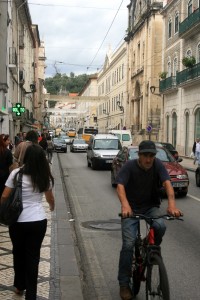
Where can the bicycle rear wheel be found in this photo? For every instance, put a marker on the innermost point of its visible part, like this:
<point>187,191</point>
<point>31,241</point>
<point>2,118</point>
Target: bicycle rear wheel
<point>136,281</point>
<point>157,285</point>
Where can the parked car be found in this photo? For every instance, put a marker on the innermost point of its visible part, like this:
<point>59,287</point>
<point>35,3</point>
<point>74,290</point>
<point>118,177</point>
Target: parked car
<point>178,175</point>
<point>59,145</point>
<point>102,149</point>
<point>171,149</point>
<point>78,145</point>
<point>197,176</point>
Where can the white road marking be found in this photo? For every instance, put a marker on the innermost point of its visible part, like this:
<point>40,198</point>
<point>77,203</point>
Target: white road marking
<point>195,198</point>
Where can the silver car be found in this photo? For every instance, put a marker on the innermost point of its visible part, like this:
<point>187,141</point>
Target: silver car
<point>101,150</point>
<point>78,145</point>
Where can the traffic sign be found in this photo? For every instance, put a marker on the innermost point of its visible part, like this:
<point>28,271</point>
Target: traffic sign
<point>149,128</point>
<point>18,109</point>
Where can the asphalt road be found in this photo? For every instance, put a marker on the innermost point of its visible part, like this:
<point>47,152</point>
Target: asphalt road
<point>95,207</point>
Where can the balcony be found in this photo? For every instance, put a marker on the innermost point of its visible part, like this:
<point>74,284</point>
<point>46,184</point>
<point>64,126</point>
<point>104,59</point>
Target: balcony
<point>191,25</point>
<point>167,85</point>
<point>13,60</point>
<point>189,76</point>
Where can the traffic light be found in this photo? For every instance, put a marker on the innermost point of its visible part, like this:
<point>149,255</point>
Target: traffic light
<point>18,109</point>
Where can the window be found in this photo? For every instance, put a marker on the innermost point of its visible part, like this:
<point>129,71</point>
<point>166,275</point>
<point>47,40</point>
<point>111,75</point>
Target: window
<point>169,69</point>
<point>169,28</point>
<point>189,53</point>
<point>197,123</point>
<point>189,8</point>
<point>176,22</point>
<point>175,66</point>
<point>198,53</point>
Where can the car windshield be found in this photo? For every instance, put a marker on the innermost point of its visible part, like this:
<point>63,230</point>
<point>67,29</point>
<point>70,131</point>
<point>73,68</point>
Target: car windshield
<point>106,144</point>
<point>162,154</point>
<point>169,146</point>
<point>79,142</point>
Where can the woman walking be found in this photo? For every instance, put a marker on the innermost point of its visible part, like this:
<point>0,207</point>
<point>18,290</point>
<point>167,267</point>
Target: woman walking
<point>28,232</point>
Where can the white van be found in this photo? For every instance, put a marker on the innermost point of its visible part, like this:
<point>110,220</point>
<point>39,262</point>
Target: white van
<point>102,149</point>
<point>124,136</point>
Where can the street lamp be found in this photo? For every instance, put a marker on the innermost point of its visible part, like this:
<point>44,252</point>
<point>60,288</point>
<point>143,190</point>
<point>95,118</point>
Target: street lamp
<point>153,88</point>
<point>120,106</point>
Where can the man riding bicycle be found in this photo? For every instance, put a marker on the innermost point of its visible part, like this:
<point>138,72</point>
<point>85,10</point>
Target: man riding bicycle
<point>138,185</point>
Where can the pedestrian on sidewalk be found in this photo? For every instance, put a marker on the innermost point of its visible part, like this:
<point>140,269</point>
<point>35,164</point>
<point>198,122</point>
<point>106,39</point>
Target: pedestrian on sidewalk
<point>28,232</point>
<point>6,160</point>
<point>194,149</point>
<point>49,149</point>
<point>43,143</point>
<point>31,138</point>
<point>197,151</point>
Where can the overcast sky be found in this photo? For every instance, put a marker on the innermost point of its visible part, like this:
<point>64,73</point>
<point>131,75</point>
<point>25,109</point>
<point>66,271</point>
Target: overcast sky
<point>78,33</point>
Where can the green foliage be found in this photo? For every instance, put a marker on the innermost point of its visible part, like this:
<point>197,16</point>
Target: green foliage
<point>163,75</point>
<point>71,84</point>
<point>189,62</point>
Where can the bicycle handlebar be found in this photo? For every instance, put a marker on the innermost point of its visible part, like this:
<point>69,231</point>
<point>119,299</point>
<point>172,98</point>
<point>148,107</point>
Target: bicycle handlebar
<point>143,217</point>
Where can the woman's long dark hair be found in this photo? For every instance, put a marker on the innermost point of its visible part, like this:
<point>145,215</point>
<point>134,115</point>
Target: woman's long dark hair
<point>37,166</point>
<point>2,144</point>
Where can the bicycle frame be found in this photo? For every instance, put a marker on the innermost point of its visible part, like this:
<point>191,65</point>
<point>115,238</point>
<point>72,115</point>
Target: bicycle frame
<point>147,260</point>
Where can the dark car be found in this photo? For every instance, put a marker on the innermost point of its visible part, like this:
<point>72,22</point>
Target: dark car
<point>178,175</point>
<point>59,145</point>
<point>78,145</point>
<point>171,149</point>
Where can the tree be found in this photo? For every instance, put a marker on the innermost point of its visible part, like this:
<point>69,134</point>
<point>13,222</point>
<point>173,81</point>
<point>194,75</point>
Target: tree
<point>72,84</point>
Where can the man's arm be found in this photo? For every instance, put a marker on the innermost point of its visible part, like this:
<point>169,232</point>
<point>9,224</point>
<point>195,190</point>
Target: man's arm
<point>172,209</point>
<point>125,207</point>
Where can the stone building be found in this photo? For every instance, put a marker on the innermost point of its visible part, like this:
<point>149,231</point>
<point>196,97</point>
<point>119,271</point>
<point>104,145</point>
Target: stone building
<point>181,67</point>
<point>144,42</point>
<point>112,84</point>
<point>17,64</point>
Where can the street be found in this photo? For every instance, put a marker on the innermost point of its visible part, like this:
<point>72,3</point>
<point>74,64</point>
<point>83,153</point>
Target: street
<point>94,206</point>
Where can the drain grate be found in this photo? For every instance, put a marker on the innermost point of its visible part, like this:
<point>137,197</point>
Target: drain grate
<point>111,225</point>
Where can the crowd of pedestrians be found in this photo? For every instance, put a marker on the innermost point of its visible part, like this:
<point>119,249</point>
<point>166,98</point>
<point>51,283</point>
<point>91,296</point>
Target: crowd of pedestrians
<point>28,232</point>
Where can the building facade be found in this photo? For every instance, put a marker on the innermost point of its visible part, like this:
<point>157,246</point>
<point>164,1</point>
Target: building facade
<point>17,61</point>
<point>112,84</point>
<point>181,67</point>
<point>144,41</point>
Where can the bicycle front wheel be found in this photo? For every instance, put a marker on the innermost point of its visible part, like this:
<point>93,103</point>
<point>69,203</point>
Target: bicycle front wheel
<point>157,284</point>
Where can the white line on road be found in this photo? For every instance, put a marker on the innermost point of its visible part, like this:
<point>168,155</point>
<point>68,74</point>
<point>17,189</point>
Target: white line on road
<point>195,198</point>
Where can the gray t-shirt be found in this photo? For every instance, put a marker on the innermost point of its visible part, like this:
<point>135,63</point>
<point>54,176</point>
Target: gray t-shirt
<point>142,187</point>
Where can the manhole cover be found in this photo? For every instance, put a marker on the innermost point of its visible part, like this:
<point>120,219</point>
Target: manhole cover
<point>111,225</point>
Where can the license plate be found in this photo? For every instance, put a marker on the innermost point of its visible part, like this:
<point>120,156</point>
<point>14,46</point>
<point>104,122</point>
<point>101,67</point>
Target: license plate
<point>109,161</point>
<point>179,184</point>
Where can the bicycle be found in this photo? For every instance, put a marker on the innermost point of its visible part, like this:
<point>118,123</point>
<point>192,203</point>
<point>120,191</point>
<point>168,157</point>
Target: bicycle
<point>147,262</point>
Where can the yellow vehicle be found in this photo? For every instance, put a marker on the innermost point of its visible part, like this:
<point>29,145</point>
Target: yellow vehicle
<point>86,132</point>
<point>71,132</point>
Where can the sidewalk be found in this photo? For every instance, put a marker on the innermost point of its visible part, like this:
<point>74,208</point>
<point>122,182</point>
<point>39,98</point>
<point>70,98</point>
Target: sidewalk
<point>59,277</point>
<point>188,163</point>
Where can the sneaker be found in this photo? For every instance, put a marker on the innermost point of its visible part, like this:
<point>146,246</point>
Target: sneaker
<point>125,293</point>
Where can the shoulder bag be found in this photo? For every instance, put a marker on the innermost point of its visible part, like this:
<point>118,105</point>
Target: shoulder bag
<point>11,208</point>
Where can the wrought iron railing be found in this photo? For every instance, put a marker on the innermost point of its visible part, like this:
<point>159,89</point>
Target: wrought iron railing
<point>188,74</point>
<point>168,83</point>
<point>189,22</point>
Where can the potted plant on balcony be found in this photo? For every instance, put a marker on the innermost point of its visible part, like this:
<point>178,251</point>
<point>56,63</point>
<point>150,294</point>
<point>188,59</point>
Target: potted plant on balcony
<point>163,75</point>
<point>189,62</point>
